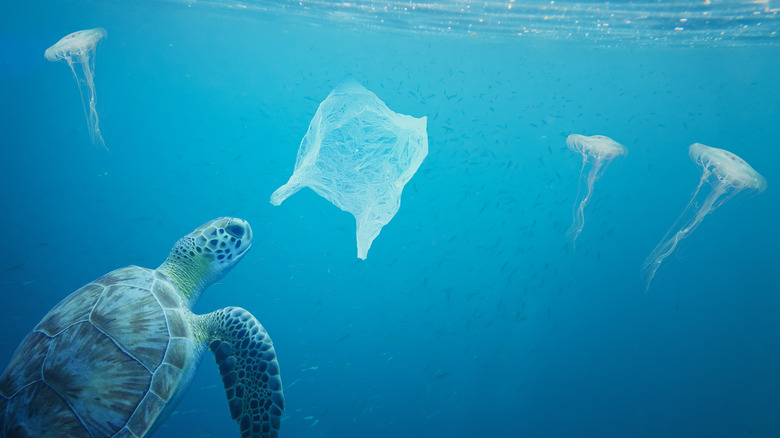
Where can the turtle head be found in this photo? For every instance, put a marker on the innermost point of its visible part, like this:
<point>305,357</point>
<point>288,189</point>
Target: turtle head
<point>205,255</point>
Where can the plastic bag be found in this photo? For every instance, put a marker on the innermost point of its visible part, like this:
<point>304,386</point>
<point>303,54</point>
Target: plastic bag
<point>358,154</point>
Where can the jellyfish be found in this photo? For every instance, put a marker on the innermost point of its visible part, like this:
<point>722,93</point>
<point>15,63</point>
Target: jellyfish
<point>597,151</point>
<point>726,175</point>
<point>79,47</point>
<point>358,154</point>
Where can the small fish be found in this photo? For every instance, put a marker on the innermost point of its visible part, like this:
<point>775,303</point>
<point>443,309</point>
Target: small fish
<point>15,267</point>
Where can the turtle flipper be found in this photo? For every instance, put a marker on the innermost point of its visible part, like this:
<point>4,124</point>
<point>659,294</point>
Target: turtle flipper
<point>247,362</point>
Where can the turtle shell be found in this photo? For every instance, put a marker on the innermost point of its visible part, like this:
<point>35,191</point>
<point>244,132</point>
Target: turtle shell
<point>103,362</point>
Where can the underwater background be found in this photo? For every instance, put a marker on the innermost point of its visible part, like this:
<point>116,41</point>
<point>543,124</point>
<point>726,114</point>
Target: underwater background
<point>472,315</point>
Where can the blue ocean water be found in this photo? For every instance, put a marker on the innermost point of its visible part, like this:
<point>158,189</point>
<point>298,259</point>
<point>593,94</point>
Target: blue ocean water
<point>471,316</point>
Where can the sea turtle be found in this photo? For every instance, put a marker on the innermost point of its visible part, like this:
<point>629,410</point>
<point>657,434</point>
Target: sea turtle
<point>115,357</point>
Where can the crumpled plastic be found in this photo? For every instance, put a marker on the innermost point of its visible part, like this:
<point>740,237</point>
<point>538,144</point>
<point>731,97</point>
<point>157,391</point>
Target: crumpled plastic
<point>358,154</point>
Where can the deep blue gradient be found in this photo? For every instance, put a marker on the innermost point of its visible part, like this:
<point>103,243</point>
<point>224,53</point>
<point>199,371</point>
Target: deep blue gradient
<point>470,316</point>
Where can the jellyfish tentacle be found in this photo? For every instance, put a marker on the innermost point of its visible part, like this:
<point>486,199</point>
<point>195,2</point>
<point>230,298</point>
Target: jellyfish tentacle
<point>667,244</point>
<point>88,66</point>
<point>686,210</point>
<point>79,82</point>
<point>578,219</point>
<point>596,171</point>
<point>715,199</point>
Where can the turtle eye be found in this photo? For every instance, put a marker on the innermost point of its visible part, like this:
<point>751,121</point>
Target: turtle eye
<point>236,230</point>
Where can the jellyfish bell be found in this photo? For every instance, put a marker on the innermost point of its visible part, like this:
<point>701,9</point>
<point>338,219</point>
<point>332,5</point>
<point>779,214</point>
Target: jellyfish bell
<point>727,175</point>
<point>597,152</point>
<point>729,169</point>
<point>78,43</point>
<point>79,48</point>
<point>596,146</point>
